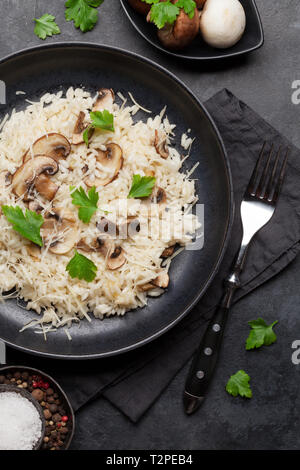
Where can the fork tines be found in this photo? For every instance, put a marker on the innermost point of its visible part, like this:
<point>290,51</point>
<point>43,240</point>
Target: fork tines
<point>267,177</point>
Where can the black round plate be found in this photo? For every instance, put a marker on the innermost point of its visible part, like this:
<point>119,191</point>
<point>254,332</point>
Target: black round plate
<point>55,67</point>
<point>252,39</point>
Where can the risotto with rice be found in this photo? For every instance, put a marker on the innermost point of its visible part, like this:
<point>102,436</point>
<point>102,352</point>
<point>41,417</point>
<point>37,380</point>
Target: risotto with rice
<point>51,151</point>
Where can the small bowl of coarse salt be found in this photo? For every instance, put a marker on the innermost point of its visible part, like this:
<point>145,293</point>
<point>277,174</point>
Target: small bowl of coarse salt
<point>22,423</point>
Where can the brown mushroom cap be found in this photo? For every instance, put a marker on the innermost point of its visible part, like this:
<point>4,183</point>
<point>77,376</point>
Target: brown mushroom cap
<point>60,231</point>
<point>112,160</point>
<point>139,6</point>
<point>25,177</point>
<point>53,145</point>
<point>160,144</point>
<point>181,33</point>
<point>104,100</point>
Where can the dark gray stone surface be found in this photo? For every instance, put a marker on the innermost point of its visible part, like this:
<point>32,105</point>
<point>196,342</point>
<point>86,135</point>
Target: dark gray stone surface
<point>271,419</point>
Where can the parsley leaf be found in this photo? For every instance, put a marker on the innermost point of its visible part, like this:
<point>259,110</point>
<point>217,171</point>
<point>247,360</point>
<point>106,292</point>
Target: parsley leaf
<point>46,26</point>
<point>165,12</point>
<point>261,334</point>
<point>238,384</point>
<point>189,7</point>
<point>81,267</point>
<point>141,186</point>
<point>100,120</point>
<point>27,225</point>
<point>87,203</point>
<point>83,13</point>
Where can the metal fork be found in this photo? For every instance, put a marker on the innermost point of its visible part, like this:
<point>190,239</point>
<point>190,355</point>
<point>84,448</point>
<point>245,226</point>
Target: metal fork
<point>257,208</point>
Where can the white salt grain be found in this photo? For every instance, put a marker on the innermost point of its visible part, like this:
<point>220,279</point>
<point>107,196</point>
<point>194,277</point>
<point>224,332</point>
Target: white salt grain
<point>20,422</point>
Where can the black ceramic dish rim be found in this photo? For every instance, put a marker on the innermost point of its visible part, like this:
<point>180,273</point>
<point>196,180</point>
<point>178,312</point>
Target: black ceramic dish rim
<point>231,208</point>
<point>230,55</point>
<point>24,393</point>
<point>48,377</point>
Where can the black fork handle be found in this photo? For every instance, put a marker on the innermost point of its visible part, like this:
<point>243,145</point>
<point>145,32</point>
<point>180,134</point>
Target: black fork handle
<point>205,361</point>
<point>206,356</point>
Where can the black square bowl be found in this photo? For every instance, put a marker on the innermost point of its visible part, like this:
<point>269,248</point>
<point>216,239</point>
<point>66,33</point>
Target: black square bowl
<point>252,39</point>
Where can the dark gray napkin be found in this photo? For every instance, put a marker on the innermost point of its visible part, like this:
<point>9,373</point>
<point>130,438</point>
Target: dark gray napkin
<point>133,381</point>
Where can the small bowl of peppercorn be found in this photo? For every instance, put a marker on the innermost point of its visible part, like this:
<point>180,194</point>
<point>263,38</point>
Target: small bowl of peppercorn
<point>59,419</point>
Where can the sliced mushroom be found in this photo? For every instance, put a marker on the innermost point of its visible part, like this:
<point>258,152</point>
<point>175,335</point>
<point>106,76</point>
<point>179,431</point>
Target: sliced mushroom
<point>60,231</point>
<point>79,129</point>
<point>159,196</point>
<point>104,100</point>
<point>46,187</point>
<point>162,280</point>
<point>35,206</point>
<point>105,246</point>
<point>112,160</point>
<point>84,246</point>
<point>146,287</point>
<point>95,245</point>
<point>168,252</point>
<point>52,145</point>
<point>25,177</point>
<point>116,258</point>
<point>160,144</point>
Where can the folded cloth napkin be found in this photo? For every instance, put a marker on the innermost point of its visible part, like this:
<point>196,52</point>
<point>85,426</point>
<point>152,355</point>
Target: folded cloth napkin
<point>133,381</point>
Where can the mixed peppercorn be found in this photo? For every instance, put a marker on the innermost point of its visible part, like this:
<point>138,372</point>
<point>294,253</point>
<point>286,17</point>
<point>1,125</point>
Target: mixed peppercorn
<point>58,421</point>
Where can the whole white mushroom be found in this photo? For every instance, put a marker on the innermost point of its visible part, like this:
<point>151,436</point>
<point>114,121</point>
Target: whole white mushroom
<point>222,22</point>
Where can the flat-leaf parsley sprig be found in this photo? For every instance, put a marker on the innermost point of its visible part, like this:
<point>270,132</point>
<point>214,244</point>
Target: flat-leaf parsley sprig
<point>84,13</point>
<point>100,120</point>
<point>45,26</point>
<point>141,186</point>
<point>166,12</point>
<point>238,384</point>
<point>28,225</point>
<point>260,334</point>
<point>81,267</point>
<point>87,203</point>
